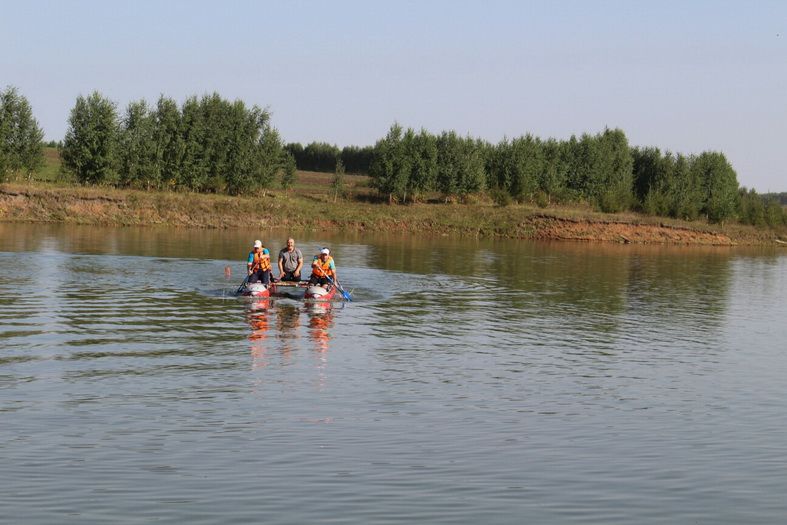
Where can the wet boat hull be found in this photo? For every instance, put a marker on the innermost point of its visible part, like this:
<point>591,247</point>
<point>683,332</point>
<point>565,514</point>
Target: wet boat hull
<point>256,290</point>
<point>320,293</point>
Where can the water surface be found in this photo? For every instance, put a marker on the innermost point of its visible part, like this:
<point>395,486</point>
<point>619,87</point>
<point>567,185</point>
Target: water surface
<point>470,381</point>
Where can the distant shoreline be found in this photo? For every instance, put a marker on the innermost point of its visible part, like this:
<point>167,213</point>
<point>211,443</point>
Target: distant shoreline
<point>104,206</point>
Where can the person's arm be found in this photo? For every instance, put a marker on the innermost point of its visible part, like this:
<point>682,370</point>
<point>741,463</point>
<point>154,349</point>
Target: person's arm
<point>281,264</point>
<point>250,262</point>
<point>335,275</point>
<point>300,263</point>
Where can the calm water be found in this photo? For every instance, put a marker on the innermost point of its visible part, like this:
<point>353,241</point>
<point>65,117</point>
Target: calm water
<point>469,382</point>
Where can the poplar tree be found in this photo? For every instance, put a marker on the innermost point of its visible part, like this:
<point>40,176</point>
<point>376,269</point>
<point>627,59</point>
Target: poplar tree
<point>271,157</point>
<point>423,170</point>
<point>168,139</point>
<point>337,184</point>
<point>554,172</point>
<point>21,139</point>
<point>90,147</point>
<point>449,160</point>
<point>289,171</point>
<point>527,163</point>
<point>194,167</point>
<point>137,154</point>
<point>719,184</point>
<point>390,167</point>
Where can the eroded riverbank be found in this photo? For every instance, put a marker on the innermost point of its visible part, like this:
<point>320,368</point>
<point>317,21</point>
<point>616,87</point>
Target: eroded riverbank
<point>112,207</point>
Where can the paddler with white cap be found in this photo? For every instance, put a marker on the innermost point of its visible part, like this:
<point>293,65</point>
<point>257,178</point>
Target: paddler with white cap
<point>259,264</point>
<point>323,269</point>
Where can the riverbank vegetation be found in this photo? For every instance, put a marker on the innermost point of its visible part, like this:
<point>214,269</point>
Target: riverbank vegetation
<point>209,145</point>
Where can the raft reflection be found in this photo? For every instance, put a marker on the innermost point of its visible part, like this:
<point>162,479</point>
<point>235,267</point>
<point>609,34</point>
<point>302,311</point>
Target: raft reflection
<point>278,325</point>
<point>320,322</point>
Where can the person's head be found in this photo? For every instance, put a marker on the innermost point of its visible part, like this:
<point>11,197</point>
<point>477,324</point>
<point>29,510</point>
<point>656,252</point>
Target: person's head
<point>290,244</point>
<point>324,253</point>
<point>258,245</point>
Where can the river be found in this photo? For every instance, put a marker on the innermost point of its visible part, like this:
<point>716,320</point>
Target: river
<point>469,381</point>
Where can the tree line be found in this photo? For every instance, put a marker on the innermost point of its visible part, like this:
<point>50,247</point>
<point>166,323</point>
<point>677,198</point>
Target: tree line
<point>207,144</point>
<point>321,156</point>
<point>601,169</point>
<point>210,144</point>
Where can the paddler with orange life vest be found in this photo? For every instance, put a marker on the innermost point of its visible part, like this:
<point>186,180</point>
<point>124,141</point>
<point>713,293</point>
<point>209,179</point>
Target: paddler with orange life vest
<point>323,267</point>
<point>259,264</point>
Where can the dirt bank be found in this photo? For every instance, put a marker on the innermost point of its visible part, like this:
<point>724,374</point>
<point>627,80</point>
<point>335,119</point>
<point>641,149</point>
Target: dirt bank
<point>553,228</point>
<point>108,206</point>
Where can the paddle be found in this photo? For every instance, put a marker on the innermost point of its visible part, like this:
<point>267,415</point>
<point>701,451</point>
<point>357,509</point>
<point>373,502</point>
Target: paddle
<point>345,295</point>
<point>240,288</point>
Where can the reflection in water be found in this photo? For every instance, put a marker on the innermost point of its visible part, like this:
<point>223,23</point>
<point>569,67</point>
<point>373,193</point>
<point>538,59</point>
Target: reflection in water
<point>285,319</point>
<point>257,313</point>
<point>288,320</point>
<point>320,321</point>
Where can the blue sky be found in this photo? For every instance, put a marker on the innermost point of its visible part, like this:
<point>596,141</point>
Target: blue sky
<point>685,76</point>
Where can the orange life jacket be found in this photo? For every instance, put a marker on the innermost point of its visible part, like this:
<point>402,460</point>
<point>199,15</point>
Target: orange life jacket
<point>260,263</point>
<point>324,266</point>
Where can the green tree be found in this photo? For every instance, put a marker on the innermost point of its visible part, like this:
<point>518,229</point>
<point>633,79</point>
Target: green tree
<point>337,184</point>
<point>357,159</point>
<point>527,164</point>
<point>240,171</point>
<point>499,166</point>
<point>271,156</point>
<point>554,172</point>
<point>687,192</point>
<point>138,165</point>
<point>169,143</point>
<point>319,156</point>
<point>422,150</point>
<point>21,140</point>
<point>289,173</point>
<point>90,147</point>
<point>775,215</point>
<point>449,160</point>
<point>751,208</point>
<point>390,166</point>
<point>461,165</point>
<point>720,185</point>
<point>613,191</point>
<point>646,165</point>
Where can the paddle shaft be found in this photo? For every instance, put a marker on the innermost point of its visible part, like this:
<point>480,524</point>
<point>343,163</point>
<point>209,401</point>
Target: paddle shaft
<point>240,288</point>
<point>345,295</point>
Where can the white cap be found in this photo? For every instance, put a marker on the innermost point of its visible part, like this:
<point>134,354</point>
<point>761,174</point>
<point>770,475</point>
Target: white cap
<point>325,251</point>
<point>258,244</point>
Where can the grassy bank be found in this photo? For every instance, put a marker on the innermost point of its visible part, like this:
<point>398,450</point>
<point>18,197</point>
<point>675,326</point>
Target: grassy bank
<point>312,205</point>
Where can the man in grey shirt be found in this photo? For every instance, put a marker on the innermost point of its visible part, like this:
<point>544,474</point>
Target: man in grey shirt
<point>290,262</point>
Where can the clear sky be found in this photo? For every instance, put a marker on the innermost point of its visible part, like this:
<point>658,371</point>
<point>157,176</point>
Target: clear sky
<point>686,76</point>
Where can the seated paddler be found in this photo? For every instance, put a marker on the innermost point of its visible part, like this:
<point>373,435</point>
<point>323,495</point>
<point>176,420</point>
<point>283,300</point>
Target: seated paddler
<point>259,264</point>
<point>323,269</point>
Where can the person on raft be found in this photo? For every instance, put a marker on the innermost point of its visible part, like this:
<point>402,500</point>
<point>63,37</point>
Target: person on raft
<point>259,264</point>
<point>290,262</point>
<point>323,268</point>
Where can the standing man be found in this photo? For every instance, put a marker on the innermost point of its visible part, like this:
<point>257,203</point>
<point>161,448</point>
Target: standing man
<point>290,262</point>
<point>259,264</point>
<point>323,268</point>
